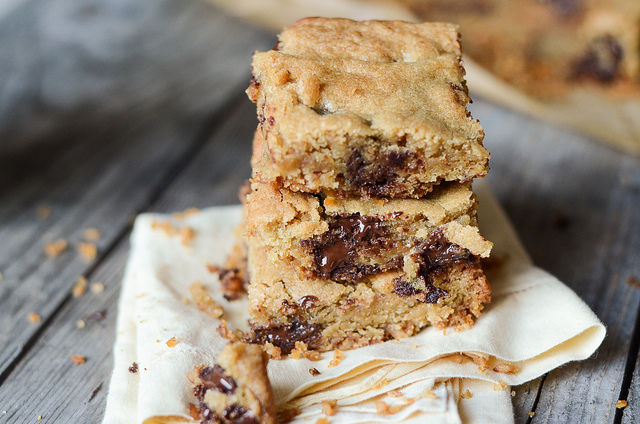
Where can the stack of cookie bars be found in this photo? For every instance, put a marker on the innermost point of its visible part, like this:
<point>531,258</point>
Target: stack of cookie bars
<point>361,223</point>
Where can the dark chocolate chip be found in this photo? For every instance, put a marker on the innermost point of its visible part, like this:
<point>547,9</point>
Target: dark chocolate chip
<point>314,372</point>
<point>133,368</point>
<point>237,414</point>
<point>308,301</point>
<point>285,336</point>
<point>216,378</point>
<point>601,61</point>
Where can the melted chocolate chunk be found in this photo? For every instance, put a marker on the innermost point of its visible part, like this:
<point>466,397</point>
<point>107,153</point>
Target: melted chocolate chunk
<point>215,378</point>
<point>237,414</point>
<point>307,302</point>
<point>378,178</point>
<point>209,416</point>
<point>433,258</point>
<point>285,336</point>
<point>349,236</point>
<point>601,60</point>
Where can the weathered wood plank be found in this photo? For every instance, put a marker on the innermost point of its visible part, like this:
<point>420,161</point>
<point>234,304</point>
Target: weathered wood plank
<point>574,204</point>
<point>35,387</point>
<point>123,163</point>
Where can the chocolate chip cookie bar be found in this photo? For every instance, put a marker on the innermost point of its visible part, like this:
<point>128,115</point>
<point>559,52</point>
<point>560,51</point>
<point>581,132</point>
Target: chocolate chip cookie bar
<point>345,272</point>
<point>371,109</point>
<point>236,390</point>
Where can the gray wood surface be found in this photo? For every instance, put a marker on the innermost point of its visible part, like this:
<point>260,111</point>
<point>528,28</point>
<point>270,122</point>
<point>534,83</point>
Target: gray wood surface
<point>169,127</point>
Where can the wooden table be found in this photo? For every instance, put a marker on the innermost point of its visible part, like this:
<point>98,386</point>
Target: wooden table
<point>157,121</point>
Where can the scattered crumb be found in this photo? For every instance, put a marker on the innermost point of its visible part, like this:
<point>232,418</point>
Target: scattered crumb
<point>33,317</point>
<point>39,417</point>
<point>322,420</point>
<point>300,349</point>
<point>513,393</point>
<point>186,235</point>
<point>78,359</point>
<point>185,213</point>
<point>621,404</point>
<point>88,251</point>
<point>314,372</point>
<point>499,386</point>
<point>43,211</point>
<point>381,384</point>
<point>273,351</point>
<point>97,287</point>
<point>225,332</point>
<point>531,414</point>
<point>466,394</point>
<point>312,355</point>
<point>165,226</point>
<point>506,368</point>
<point>172,342</point>
<point>91,234</point>
<point>80,324</point>
<point>328,407</point>
<point>480,361</point>
<point>633,281</point>
<point>214,269</point>
<point>194,412</point>
<point>444,332</point>
<point>185,300</point>
<point>395,393</point>
<point>337,358</point>
<point>80,287</point>
<point>55,248</point>
<point>133,368</point>
<point>414,346</point>
<point>382,408</point>
<point>428,394</point>
<point>204,301</point>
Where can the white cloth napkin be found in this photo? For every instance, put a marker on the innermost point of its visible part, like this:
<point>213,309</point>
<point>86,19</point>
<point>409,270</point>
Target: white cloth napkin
<point>533,324</point>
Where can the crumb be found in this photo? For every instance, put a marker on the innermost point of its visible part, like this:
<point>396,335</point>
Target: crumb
<point>322,420</point>
<point>97,287</point>
<point>133,368</point>
<point>312,355</point>
<point>80,287</point>
<point>314,372</point>
<point>88,251</point>
<point>273,351</point>
<point>633,281</point>
<point>185,213</point>
<point>513,393</point>
<point>91,234</point>
<point>381,384</point>
<point>300,349</point>
<point>506,368</point>
<point>80,324</point>
<point>480,361</point>
<point>337,358</point>
<point>466,394</point>
<point>232,283</point>
<point>194,412</point>
<point>33,317</point>
<point>395,393</point>
<point>55,248</point>
<point>39,417</point>
<point>185,300</point>
<point>172,342</point>
<point>382,408</point>
<point>224,331</point>
<point>328,407</point>
<point>414,346</point>
<point>499,386</point>
<point>43,211</point>
<point>621,404</point>
<point>78,359</point>
<point>204,301</point>
<point>444,332</point>
<point>428,394</point>
<point>214,269</point>
<point>165,226</point>
<point>531,414</point>
<point>186,235</point>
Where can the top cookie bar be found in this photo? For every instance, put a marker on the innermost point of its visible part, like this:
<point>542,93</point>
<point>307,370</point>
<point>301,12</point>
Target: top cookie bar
<point>372,108</point>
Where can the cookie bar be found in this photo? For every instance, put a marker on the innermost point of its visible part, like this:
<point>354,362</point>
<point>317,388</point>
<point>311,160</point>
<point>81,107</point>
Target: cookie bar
<point>236,390</point>
<point>372,109</point>
<point>548,48</point>
<point>343,273</point>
